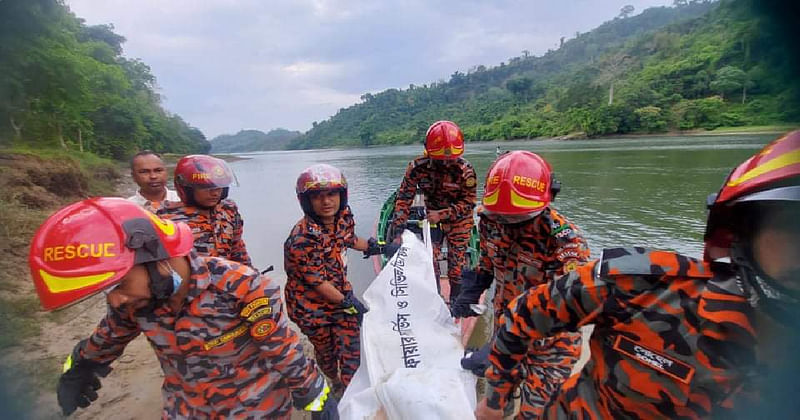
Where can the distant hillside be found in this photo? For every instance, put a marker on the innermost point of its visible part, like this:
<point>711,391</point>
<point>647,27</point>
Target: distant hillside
<point>253,141</point>
<point>65,84</point>
<point>699,64</point>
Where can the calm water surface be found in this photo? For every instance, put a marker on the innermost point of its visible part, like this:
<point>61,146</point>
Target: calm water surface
<point>633,191</point>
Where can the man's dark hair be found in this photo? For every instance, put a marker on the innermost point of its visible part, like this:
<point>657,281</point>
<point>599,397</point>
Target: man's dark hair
<point>144,153</point>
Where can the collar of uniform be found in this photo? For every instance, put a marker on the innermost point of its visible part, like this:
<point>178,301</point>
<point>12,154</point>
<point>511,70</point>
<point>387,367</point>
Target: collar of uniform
<point>542,222</point>
<point>194,211</point>
<point>727,317</point>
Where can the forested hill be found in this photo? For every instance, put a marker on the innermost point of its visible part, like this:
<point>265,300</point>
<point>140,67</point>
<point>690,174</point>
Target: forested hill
<point>253,141</point>
<point>64,84</point>
<point>695,65</point>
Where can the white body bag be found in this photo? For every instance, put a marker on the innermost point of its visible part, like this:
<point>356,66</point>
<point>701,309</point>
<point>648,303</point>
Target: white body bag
<point>410,347</point>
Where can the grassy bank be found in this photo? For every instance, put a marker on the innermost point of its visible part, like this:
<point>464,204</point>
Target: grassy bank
<point>32,185</point>
<point>754,129</point>
<point>719,131</point>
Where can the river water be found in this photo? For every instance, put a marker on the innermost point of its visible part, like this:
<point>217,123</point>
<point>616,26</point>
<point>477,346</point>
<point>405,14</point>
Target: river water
<point>646,191</point>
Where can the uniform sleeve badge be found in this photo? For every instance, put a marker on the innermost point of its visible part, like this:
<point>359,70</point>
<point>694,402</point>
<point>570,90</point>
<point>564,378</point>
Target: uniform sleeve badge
<point>470,182</point>
<point>262,328</point>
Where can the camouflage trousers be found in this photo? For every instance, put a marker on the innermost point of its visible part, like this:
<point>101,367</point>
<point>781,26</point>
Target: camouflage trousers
<point>337,349</point>
<point>457,235</point>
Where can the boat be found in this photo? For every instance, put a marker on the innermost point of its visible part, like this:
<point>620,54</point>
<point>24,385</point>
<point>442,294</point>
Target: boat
<point>383,233</point>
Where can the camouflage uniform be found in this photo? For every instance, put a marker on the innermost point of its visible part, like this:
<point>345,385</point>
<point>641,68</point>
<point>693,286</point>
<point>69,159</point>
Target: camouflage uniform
<point>314,254</point>
<point>217,236</point>
<point>227,353</point>
<point>445,187</point>
<point>523,256</point>
<point>672,339</point>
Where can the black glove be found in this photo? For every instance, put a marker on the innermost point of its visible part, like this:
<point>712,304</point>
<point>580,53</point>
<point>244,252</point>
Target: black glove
<point>390,249</point>
<point>477,361</point>
<point>472,286</point>
<point>352,306</point>
<point>380,248</point>
<point>330,411</point>
<point>78,385</point>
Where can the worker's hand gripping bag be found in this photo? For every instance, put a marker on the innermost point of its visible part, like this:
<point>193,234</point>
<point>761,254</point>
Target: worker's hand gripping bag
<point>410,347</point>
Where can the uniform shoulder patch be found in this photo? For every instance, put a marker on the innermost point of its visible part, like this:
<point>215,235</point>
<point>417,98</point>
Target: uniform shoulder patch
<point>470,182</point>
<point>262,328</point>
<point>562,231</point>
<point>255,306</point>
<point>224,338</point>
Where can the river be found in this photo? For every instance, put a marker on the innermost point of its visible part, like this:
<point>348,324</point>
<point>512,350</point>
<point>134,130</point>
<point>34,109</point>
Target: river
<point>647,191</point>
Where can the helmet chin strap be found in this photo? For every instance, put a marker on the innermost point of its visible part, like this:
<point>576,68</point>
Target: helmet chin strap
<point>762,291</point>
<point>161,287</point>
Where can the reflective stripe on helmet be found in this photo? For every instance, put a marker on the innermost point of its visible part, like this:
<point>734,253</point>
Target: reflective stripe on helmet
<point>58,284</point>
<point>491,199</point>
<point>779,162</point>
<point>520,201</point>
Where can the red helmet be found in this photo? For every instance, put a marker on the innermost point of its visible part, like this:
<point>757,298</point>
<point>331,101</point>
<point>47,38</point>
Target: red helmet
<point>444,141</point>
<point>519,183</point>
<point>772,174</point>
<point>762,191</point>
<point>202,171</point>
<point>320,177</point>
<point>90,245</point>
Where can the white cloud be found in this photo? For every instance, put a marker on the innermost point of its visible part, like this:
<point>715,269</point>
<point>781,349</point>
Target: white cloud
<point>228,64</point>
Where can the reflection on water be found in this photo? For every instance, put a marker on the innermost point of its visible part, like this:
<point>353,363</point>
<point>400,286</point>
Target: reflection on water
<point>634,191</point>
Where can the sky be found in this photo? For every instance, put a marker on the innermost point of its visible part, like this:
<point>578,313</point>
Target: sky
<point>226,65</point>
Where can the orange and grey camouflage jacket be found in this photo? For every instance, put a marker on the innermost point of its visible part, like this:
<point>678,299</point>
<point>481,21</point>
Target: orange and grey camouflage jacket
<point>313,254</point>
<point>526,255</point>
<point>217,236</point>
<point>671,338</point>
<point>445,187</point>
<point>227,353</point>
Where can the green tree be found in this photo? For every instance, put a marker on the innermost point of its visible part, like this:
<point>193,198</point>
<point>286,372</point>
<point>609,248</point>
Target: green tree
<point>728,79</point>
<point>65,84</point>
<point>520,86</point>
<point>651,119</point>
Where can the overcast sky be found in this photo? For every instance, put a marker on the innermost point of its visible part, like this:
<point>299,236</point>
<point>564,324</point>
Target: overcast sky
<point>225,65</point>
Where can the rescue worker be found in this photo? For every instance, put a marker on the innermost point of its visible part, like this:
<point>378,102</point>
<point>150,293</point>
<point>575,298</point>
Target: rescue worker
<point>203,182</point>
<point>319,299</point>
<point>675,337</point>
<point>217,327</point>
<point>525,242</point>
<point>150,174</point>
<point>447,181</point>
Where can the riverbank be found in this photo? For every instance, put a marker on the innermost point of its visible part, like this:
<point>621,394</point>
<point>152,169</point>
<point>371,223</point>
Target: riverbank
<point>32,185</point>
<point>719,131</point>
